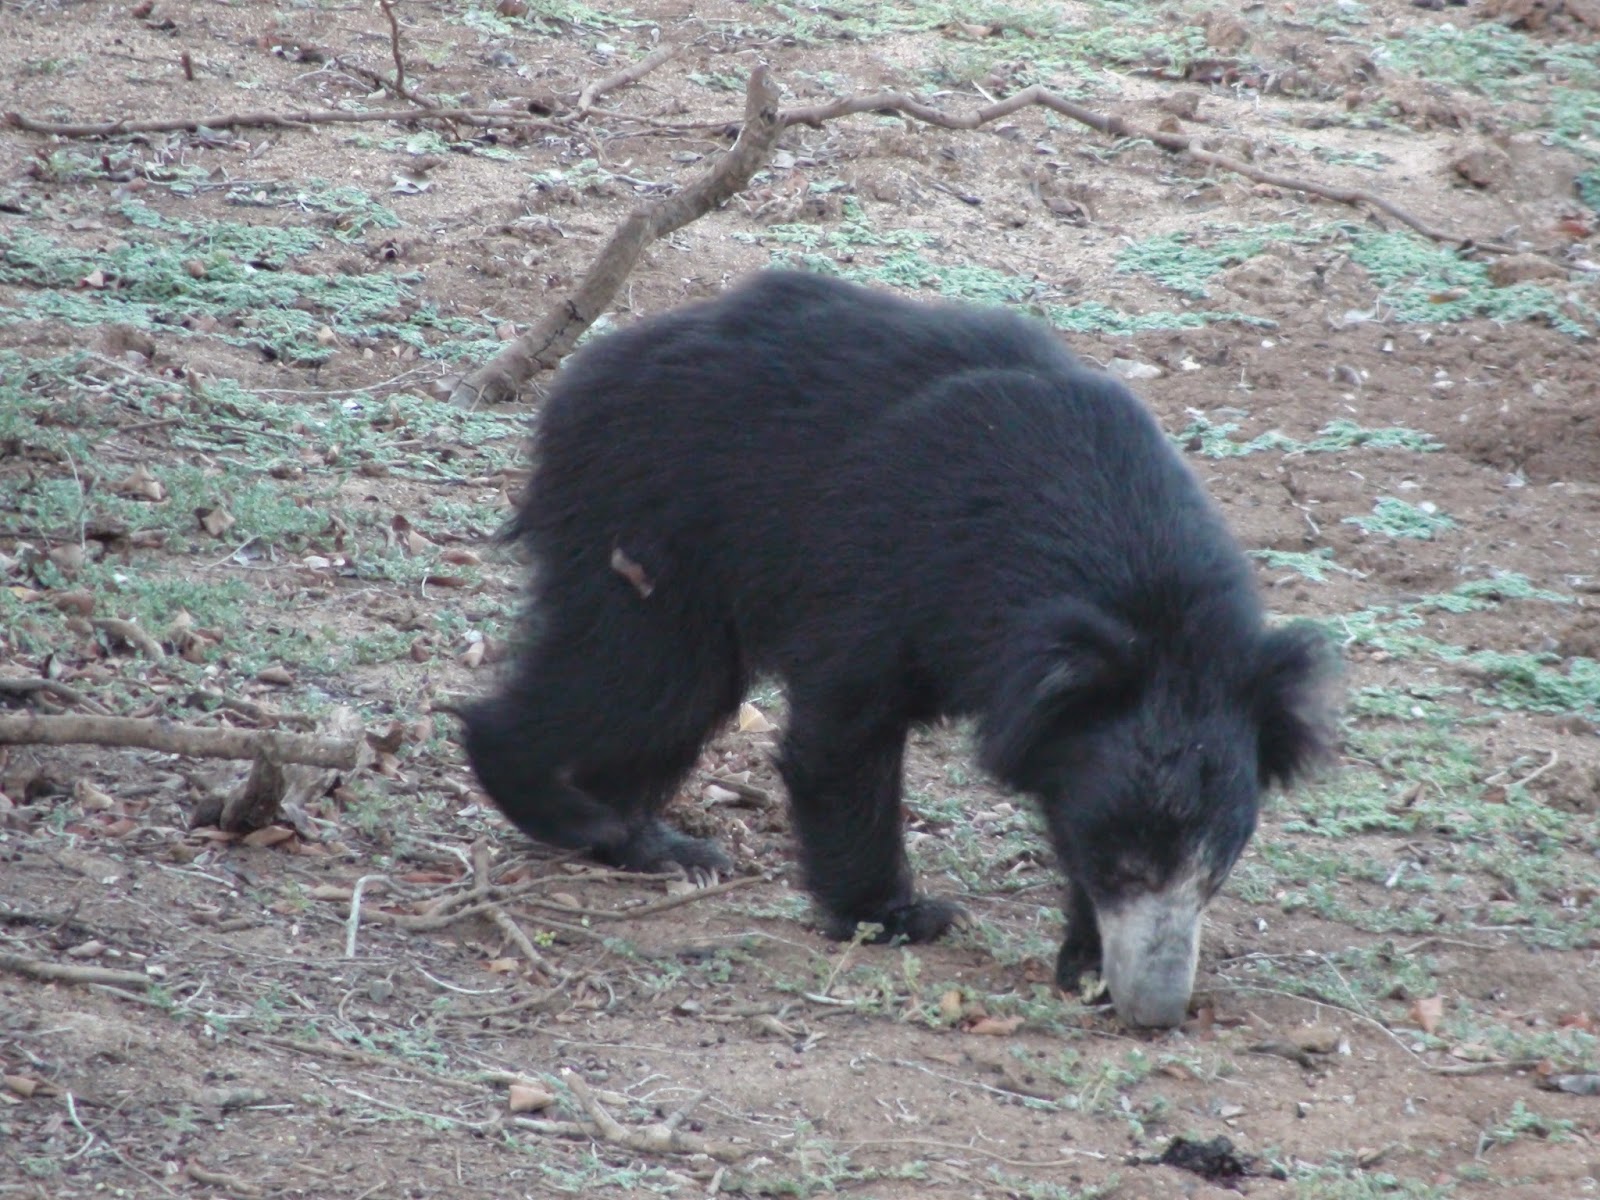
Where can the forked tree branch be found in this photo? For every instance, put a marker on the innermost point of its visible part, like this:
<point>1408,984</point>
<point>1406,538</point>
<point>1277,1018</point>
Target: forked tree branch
<point>559,330</point>
<point>1112,126</point>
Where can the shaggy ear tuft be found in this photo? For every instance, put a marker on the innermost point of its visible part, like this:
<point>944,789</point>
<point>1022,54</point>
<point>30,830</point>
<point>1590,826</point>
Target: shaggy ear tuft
<point>1068,661</point>
<point>1297,676</point>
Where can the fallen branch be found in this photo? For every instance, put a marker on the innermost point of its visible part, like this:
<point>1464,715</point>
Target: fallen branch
<point>1173,143</point>
<point>630,74</point>
<point>30,729</point>
<point>426,110</point>
<point>53,972</point>
<point>286,120</point>
<point>549,341</point>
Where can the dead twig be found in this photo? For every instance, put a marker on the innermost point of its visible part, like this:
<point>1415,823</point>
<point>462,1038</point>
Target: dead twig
<point>646,910</point>
<point>553,336</point>
<point>31,729</point>
<point>523,942</point>
<point>352,923</point>
<point>54,972</point>
<point>1484,1068</point>
<point>249,709</point>
<point>630,74</point>
<point>399,84</point>
<point>664,1137</point>
<point>217,1179</point>
<point>383,1062</point>
<point>303,118</point>
<point>502,921</point>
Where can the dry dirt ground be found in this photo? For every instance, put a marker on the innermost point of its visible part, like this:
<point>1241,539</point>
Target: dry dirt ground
<point>223,357</point>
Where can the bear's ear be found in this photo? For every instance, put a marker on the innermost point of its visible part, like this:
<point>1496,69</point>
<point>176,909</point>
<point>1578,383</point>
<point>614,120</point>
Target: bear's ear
<point>1296,675</point>
<point>1067,661</point>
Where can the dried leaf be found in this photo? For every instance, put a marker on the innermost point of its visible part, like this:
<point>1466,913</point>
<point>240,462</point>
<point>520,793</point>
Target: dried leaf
<point>1427,1011</point>
<point>1317,1039</point>
<point>81,603</point>
<point>68,559</point>
<point>950,1007</point>
<point>995,1026</point>
<point>92,798</point>
<point>525,1098</point>
<point>751,720</point>
<point>215,521</point>
<point>141,485</point>
<point>272,835</point>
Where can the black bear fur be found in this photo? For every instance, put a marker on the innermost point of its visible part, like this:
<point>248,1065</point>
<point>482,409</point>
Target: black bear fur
<point>901,511</point>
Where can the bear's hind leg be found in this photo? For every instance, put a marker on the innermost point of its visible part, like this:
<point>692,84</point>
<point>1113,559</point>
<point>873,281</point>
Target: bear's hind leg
<point>583,749</point>
<point>844,790</point>
<point>523,774</point>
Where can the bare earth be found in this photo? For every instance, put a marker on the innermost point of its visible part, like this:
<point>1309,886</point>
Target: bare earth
<point>1407,962</point>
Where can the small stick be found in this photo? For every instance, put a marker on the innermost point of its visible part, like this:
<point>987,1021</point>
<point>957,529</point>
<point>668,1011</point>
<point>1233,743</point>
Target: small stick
<point>400,88</point>
<point>36,968</point>
<point>662,1137</point>
<point>217,1179</point>
<point>646,910</point>
<point>352,923</point>
<point>523,942</point>
<point>631,74</point>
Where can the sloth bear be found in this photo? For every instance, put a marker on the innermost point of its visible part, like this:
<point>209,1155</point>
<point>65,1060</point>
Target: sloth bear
<point>901,511</point>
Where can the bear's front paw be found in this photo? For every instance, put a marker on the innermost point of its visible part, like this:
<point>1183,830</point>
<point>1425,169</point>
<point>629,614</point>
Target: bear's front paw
<point>918,920</point>
<point>1078,957</point>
